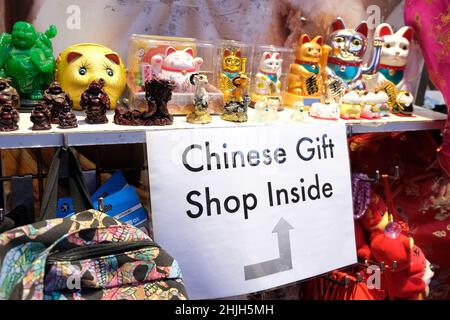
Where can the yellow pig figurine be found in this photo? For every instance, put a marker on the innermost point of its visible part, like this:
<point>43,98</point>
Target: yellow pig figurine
<point>78,65</point>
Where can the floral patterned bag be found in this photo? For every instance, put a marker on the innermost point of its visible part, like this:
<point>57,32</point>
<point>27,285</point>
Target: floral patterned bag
<point>87,256</point>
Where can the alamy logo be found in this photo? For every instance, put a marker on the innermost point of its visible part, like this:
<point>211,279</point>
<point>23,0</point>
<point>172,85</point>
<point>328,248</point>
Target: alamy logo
<point>73,282</point>
<point>374,280</point>
<point>73,21</point>
<point>374,17</point>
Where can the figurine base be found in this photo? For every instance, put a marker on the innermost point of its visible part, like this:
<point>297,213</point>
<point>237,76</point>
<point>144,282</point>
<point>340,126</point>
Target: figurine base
<point>199,117</point>
<point>97,120</point>
<point>27,105</point>
<point>41,128</point>
<point>258,97</point>
<point>9,129</point>
<point>68,126</point>
<point>235,116</point>
<point>289,99</point>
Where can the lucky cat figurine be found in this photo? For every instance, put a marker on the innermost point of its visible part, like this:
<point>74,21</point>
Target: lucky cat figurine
<point>305,78</point>
<point>394,56</point>
<point>177,66</point>
<point>348,49</point>
<point>268,76</point>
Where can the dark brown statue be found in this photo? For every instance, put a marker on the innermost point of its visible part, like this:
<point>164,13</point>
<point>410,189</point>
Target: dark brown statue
<point>55,100</point>
<point>95,101</point>
<point>41,118</point>
<point>67,119</point>
<point>9,92</point>
<point>158,93</point>
<point>126,117</point>
<point>9,116</point>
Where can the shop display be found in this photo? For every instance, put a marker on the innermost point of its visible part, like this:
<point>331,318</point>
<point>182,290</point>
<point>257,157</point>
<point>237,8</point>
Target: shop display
<point>80,64</point>
<point>8,92</point>
<point>235,109</point>
<point>175,59</point>
<point>41,118</point>
<point>55,100</point>
<point>394,56</point>
<point>306,75</point>
<point>348,47</point>
<point>95,101</point>
<point>27,57</point>
<point>326,77</point>
<point>200,114</point>
<point>351,105</point>
<point>9,116</point>
<point>298,113</point>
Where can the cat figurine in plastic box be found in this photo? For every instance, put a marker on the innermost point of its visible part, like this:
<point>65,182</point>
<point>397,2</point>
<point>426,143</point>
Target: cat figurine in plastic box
<point>394,56</point>
<point>178,66</point>
<point>268,76</point>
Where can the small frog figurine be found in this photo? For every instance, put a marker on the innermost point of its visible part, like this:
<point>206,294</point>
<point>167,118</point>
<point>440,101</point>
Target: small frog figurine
<point>233,64</point>
<point>27,57</point>
<point>95,101</point>
<point>200,113</point>
<point>306,74</point>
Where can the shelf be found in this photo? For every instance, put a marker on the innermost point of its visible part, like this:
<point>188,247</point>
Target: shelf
<point>107,134</point>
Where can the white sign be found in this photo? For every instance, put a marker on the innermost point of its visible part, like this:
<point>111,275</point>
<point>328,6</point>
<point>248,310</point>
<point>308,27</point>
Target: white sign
<point>246,209</point>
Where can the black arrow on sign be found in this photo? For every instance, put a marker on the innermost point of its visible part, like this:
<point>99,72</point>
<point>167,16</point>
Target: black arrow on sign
<point>283,263</point>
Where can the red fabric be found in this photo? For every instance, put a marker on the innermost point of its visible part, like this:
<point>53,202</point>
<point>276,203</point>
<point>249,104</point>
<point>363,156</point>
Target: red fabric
<point>363,249</point>
<point>421,196</point>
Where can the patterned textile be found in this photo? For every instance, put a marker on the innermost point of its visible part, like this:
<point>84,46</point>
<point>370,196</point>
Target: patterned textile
<point>87,256</point>
<point>431,23</point>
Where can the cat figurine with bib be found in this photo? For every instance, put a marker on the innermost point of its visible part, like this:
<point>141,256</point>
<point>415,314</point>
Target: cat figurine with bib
<point>177,66</point>
<point>305,81</point>
<point>347,53</point>
<point>268,76</point>
<point>394,57</point>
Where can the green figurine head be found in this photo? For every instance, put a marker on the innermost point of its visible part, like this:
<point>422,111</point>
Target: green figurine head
<point>24,35</point>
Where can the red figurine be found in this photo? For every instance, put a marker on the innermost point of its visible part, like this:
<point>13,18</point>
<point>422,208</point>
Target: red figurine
<point>55,100</point>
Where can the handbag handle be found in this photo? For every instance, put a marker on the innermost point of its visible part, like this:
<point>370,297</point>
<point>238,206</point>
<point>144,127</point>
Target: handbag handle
<point>77,185</point>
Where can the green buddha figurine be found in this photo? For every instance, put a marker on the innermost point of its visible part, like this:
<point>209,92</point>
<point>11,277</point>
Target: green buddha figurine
<point>27,57</point>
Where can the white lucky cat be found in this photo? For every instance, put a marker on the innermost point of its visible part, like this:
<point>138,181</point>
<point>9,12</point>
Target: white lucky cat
<point>394,57</point>
<point>268,75</point>
<point>178,66</point>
